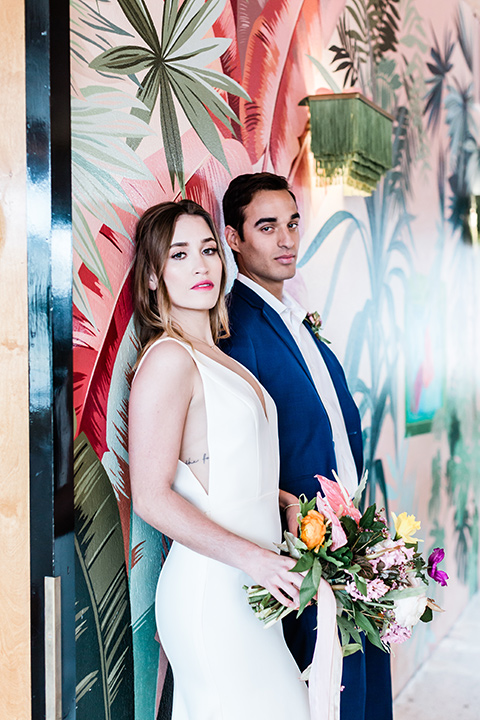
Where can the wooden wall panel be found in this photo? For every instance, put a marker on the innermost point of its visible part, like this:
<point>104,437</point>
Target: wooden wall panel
<point>15,702</point>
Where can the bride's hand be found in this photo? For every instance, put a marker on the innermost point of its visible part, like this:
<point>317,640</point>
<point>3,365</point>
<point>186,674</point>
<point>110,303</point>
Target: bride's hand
<point>272,571</point>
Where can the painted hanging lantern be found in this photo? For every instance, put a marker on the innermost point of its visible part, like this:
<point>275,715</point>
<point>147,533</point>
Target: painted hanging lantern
<point>351,140</point>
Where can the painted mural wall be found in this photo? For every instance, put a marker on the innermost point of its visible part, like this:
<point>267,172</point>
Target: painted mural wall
<point>172,100</point>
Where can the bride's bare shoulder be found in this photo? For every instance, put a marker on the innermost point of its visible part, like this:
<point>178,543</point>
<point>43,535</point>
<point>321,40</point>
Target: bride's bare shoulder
<point>165,361</point>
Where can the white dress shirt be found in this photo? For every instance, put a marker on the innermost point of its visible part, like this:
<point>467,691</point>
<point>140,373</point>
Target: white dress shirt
<point>293,316</point>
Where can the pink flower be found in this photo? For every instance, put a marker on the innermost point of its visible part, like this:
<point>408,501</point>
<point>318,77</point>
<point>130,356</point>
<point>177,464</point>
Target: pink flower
<point>338,499</point>
<point>353,591</point>
<point>375,589</point>
<point>436,557</point>
<point>338,534</point>
<point>392,553</point>
<point>396,634</point>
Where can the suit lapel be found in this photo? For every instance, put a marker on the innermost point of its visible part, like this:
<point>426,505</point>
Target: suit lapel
<point>274,320</point>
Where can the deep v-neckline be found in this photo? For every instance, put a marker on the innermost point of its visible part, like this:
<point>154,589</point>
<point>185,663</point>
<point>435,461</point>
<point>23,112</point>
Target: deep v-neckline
<point>262,403</point>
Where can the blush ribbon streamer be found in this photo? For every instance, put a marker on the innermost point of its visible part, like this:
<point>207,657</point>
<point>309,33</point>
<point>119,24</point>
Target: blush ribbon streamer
<point>326,669</point>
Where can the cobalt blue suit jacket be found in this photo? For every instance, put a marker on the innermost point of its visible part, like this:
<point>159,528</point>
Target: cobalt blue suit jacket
<point>260,340</point>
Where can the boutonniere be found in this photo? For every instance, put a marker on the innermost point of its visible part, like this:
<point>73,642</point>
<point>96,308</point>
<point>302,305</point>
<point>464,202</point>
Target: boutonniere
<point>315,322</point>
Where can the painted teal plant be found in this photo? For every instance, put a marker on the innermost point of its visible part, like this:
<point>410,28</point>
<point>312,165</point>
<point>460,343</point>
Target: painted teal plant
<point>375,331</point>
<point>103,634</point>
<point>176,65</point>
<point>367,31</point>
<point>452,100</point>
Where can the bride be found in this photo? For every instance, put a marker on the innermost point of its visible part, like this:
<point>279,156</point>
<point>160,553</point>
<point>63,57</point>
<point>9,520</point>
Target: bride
<point>204,471</point>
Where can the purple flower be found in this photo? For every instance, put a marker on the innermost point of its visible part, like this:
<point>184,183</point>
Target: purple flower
<point>435,558</point>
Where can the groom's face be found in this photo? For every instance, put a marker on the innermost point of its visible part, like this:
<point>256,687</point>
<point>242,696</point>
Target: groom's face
<point>268,251</point>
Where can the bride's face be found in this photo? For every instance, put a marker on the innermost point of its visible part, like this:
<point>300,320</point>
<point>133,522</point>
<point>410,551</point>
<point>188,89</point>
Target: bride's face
<point>193,271</point>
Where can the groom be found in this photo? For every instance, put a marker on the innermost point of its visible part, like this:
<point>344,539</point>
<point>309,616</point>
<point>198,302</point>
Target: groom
<point>318,421</point>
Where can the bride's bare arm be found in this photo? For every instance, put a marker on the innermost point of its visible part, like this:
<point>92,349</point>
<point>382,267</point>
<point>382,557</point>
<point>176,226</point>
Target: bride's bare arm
<point>159,404</point>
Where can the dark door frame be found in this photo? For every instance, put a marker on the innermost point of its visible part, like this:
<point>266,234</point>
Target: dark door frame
<point>49,242</point>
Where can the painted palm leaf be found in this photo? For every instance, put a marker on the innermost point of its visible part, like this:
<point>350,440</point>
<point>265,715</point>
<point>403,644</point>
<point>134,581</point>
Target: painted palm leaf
<point>439,68</point>
<point>226,26</point>
<point>277,75</point>
<point>100,155</point>
<point>104,656</point>
<point>368,30</point>
<point>145,547</point>
<point>90,26</point>
<point>176,67</point>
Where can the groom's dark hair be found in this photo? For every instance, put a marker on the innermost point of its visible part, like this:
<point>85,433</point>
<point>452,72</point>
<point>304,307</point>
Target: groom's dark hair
<point>240,194</point>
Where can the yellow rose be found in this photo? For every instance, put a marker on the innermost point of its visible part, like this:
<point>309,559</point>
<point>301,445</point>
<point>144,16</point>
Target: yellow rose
<point>406,526</point>
<point>313,530</point>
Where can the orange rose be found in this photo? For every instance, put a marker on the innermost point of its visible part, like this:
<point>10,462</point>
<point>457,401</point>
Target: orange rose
<point>313,530</point>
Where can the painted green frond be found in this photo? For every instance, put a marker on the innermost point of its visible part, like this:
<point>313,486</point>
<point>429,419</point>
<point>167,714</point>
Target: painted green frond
<point>326,75</point>
<point>221,82</point>
<point>85,685</point>
<point>465,37</point>
<point>104,654</point>
<point>87,250</point>
<point>96,189</point>
<point>139,17</point>
<point>199,54</point>
<point>123,60</point>
<point>100,155</point>
<point>170,132</point>
<point>84,20</point>
<point>148,94</point>
<point>124,158</point>
<point>96,118</point>
<point>195,111</point>
<point>194,19</point>
<point>177,66</point>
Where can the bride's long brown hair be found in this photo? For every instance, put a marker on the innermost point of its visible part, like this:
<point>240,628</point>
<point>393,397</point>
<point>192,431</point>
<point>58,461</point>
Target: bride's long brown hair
<point>152,308</point>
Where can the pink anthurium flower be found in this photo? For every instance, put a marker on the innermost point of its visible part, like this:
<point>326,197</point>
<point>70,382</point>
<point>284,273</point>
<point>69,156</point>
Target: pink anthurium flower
<point>436,557</point>
<point>338,534</point>
<point>338,499</point>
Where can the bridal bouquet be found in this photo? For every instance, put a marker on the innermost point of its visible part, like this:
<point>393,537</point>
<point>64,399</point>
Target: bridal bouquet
<point>379,579</point>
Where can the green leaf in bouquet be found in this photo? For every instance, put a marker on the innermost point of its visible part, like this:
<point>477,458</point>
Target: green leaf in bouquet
<point>344,553</point>
<point>316,572</point>
<point>360,620</point>
<point>350,527</point>
<point>377,535</point>
<point>367,624</point>
<point>305,505</point>
<point>348,630</point>
<point>364,540</point>
<point>351,648</point>
<point>361,584</point>
<point>305,563</point>
<point>405,592</point>
<point>427,615</point>
<point>368,517</point>
<point>330,557</point>
<point>291,545</point>
<point>307,591</point>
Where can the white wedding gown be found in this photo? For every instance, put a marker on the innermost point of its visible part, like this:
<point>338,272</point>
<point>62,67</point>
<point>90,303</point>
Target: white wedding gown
<point>226,666</point>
